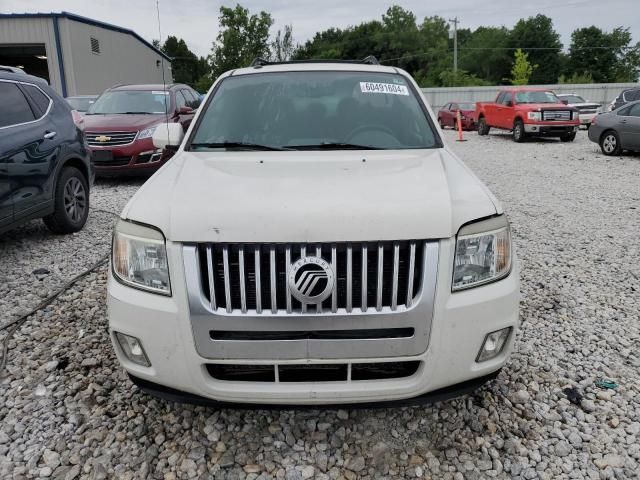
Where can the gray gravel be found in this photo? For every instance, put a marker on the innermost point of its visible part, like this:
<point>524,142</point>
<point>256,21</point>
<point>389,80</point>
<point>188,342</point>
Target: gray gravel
<point>68,411</point>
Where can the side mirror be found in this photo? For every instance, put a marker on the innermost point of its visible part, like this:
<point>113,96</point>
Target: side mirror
<point>509,103</point>
<point>566,102</point>
<point>168,135</point>
<point>185,111</point>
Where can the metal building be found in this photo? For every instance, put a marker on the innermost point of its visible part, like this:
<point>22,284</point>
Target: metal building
<point>78,55</point>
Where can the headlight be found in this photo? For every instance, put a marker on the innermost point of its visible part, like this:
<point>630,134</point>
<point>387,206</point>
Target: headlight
<point>483,253</point>
<point>140,258</point>
<point>146,133</point>
<point>534,116</point>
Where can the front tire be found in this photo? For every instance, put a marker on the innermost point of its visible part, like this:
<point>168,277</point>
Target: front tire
<point>483,128</point>
<point>570,137</point>
<point>71,203</point>
<point>519,134</point>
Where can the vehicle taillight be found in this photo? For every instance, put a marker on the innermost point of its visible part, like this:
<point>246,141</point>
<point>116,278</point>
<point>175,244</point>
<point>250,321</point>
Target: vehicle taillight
<point>78,119</point>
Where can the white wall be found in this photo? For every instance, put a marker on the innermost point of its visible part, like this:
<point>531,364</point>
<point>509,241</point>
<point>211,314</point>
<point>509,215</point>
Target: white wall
<point>602,93</point>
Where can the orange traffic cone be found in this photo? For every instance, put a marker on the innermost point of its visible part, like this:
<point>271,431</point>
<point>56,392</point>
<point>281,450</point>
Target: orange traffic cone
<point>458,117</point>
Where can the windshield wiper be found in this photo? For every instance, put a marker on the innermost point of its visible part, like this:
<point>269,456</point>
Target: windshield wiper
<point>238,145</point>
<point>138,113</point>
<point>333,146</point>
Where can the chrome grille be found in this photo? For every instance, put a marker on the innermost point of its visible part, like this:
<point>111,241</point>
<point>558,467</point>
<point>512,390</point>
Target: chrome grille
<point>115,138</point>
<point>253,278</point>
<point>559,115</point>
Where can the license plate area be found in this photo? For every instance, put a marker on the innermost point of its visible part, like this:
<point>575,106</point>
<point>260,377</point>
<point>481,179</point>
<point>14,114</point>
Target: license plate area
<point>102,156</point>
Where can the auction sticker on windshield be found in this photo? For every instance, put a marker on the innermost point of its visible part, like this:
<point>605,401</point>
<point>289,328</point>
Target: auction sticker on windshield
<point>388,88</point>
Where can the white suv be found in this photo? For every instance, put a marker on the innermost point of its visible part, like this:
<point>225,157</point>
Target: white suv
<point>313,241</point>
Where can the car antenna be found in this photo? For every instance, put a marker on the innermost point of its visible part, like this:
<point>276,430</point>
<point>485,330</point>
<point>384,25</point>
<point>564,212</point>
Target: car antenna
<point>164,83</point>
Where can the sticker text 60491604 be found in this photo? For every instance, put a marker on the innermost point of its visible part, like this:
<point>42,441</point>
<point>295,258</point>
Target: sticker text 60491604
<point>387,88</point>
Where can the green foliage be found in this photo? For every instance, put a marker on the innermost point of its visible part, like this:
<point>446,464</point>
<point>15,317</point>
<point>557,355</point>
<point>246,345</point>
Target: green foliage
<point>242,38</point>
<point>484,53</point>
<point>584,77</point>
<point>186,66</point>
<point>619,62</point>
<point>522,68</point>
<point>461,78</point>
<point>282,48</point>
<point>537,32</point>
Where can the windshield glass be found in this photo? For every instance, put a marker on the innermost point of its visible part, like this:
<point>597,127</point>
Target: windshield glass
<point>573,99</point>
<point>467,106</point>
<point>131,101</point>
<point>536,97</point>
<point>80,104</point>
<point>314,110</point>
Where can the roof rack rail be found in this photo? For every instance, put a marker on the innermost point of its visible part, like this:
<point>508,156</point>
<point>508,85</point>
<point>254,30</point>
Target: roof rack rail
<point>261,62</point>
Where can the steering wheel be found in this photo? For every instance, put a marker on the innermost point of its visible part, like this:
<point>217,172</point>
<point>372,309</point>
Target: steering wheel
<point>369,128</point>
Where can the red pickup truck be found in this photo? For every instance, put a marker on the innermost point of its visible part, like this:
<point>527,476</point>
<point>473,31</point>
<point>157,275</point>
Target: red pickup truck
<point>528,112</point>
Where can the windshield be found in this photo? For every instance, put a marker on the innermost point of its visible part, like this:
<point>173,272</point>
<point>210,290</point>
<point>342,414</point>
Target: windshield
<point>572,99</point>
<point>536,97</point>
<point>467,106</point>
<point>80,104</point>
<point>131,101</point>
<point>314,110</point>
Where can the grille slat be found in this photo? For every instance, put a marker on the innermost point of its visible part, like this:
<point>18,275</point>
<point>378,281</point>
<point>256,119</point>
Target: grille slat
<point>116,138</point>
<point>384,275</point>
<point>556,115</point>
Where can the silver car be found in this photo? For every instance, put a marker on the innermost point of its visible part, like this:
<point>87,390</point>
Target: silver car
<point>618,130</point>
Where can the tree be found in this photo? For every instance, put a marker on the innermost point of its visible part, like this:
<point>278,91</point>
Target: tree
<point>186,66</point>
<point>522,68</point>
<point>485,54</point>
<point>537,37</point>
<point>461,78</point>
<point>242,38</point>
<point>282,48</point>
<point>606,57</point>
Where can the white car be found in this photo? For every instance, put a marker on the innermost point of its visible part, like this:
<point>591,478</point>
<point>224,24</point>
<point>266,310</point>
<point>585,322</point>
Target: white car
<point>312,241</point>
<point>587,110</point>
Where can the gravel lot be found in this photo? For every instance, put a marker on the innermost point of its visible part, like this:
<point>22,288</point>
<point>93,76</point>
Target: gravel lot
<point>68,411</point>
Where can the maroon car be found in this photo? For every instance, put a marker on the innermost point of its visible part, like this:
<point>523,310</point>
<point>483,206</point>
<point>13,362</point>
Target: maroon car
<point>447,115</point>
<point>119,125</point>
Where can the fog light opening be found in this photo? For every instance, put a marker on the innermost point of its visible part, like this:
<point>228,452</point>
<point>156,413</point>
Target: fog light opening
<point>132,349</point>
<point>493,344</point>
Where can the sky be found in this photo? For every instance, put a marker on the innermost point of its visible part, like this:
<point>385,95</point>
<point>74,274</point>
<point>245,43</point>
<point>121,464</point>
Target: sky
<point>197,20</point>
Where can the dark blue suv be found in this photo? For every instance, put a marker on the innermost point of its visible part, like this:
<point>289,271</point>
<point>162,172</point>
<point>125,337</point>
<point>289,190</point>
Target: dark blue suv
<point>45,167</point>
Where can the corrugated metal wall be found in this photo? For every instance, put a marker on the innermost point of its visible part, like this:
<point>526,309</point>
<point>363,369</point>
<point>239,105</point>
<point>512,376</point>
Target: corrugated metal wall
<point>29,31</point>
<point>602,93</point>
<point>122,59</point>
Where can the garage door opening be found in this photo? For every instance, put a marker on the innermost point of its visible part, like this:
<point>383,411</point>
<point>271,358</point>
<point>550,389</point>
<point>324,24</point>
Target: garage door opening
<point>31,58</point>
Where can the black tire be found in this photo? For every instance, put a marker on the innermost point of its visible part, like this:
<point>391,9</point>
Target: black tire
<point>570,137</point>
<point>71,202</point>
<point>519,135</point>
<point>610,143</point>
<point>483,128</point>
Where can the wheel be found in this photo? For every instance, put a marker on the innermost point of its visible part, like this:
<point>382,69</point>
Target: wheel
<point>519,134</point>
<point>71,202</point>
<point>610,143</point>
<point>483,128</point>
<point>570,137</point>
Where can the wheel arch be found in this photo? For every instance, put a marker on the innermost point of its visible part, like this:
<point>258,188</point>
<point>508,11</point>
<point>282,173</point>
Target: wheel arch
<point>76,162</point>
<point>604,132</point>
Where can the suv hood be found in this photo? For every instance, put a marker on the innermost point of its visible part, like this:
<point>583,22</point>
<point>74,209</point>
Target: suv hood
<point>311,196</point>
<point>120,122</point>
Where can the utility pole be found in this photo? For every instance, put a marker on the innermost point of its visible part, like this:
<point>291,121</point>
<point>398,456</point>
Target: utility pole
<point>455,22</point>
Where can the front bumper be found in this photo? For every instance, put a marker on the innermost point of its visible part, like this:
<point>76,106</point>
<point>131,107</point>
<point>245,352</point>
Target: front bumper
<point>550,129</point>
<point>587,118</point>
<point>460,322</point>
<point>137,158</point>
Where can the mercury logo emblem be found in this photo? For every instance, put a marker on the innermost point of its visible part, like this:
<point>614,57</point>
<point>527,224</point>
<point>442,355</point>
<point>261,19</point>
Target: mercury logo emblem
<point>311,280</point>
